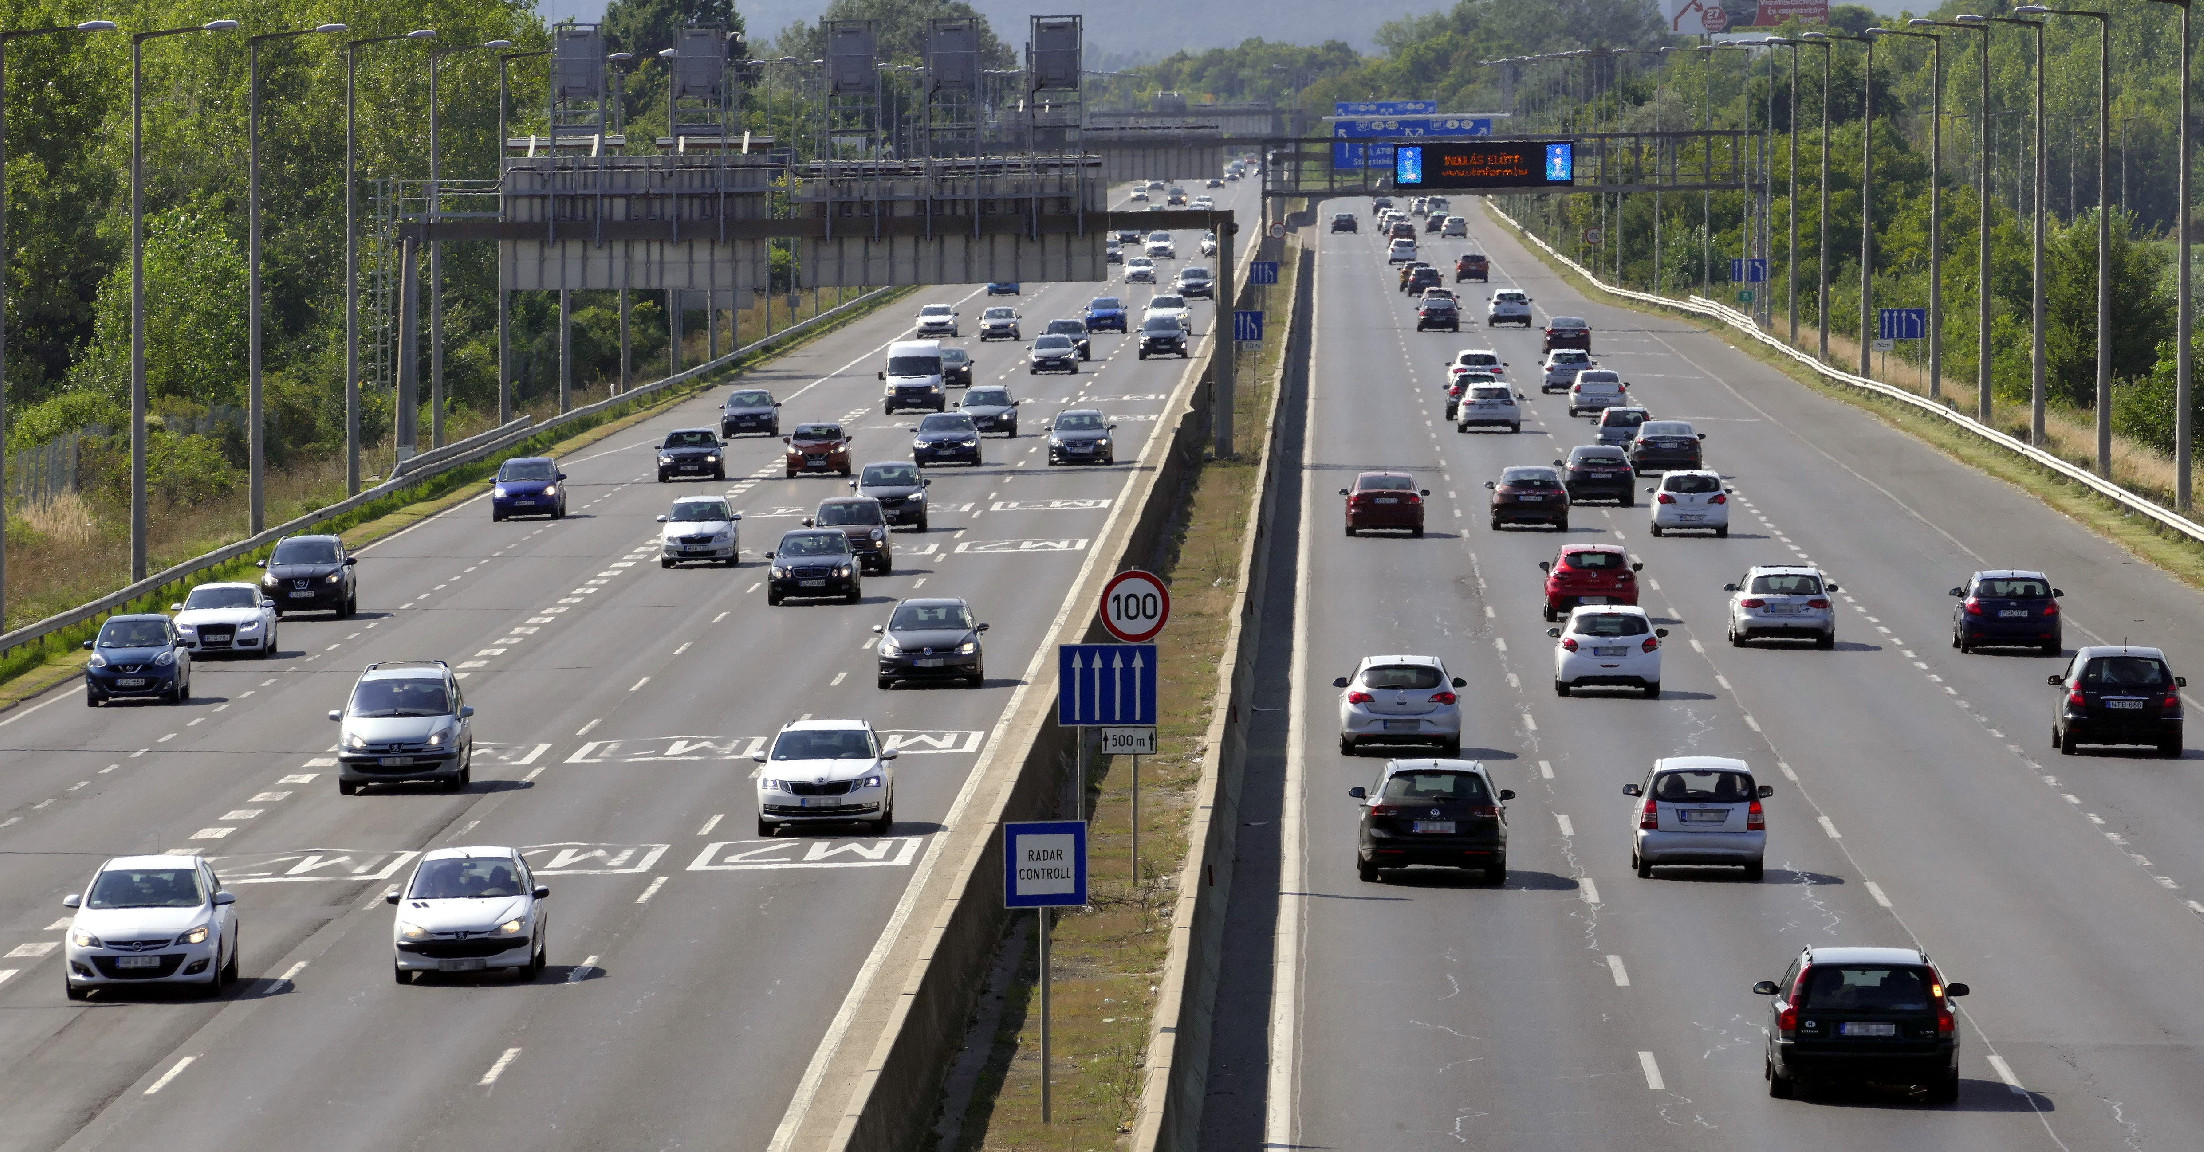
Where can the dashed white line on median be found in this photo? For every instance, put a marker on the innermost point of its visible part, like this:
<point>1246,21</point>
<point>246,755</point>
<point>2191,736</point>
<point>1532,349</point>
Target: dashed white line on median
<point>174,1071</point>
<point>651,890</point>
<point>1828,827</point>
<point>1567,829</point>
<point>1646,1064</point>
<point>1588,890</point>
<point>497,1069</point>
<point>1876,890</point>
<point>1546,769</point>
<point>711,824</point>
<point>1622,975</point>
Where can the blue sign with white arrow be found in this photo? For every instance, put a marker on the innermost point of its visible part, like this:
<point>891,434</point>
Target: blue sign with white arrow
<point>1902,323</point>
<point>1384,107</point>
<point>1390,127</point>
<point>1247,326</point>
<point>1753,271</point>
<point>1262,272</point>
<point>1099,684</point>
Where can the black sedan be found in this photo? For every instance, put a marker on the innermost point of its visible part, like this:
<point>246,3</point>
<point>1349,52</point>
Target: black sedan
<point>956,368</point>
<point>310,574</point>
<point>1344,222</point>
<point>2007,607</point>
<point>898,487</point>
<point>1052,353</point>
<point>750,410</point>
<point>931,640</point>
<point>992,409</point>
<point>1076,331</point>
<point>1438,812</point>
<point>137,656</point>
<point>2118,694</point>
<point>1597,472</point>
<point>813,563</point>
<point>946,438</point>
<point>691,452</point>
<point>1081,436</point>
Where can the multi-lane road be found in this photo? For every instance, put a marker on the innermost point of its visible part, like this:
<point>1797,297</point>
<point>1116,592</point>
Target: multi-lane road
<point>1917,799</point>
<point>694,967</point>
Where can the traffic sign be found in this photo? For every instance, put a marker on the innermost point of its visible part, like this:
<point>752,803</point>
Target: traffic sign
<point>1262,272</point>
<point>1135,606</point>
<point>1882,345</point>
<point>1744,295</point>
<point>1594,235</point>
<point>1106,684</point>
<point>1385,107</point>
<point>1045,864</point>
<point>1128,741</point>
<point>1902,323</point>
<point>1390,127</point>
<point>1247,326</point>
<point>1753,271</point>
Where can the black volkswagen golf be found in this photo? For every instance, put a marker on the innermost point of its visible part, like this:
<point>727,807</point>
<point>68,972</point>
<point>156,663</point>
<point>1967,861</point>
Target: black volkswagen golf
<point>310,574</point>
<point>1438,812</point>
<point>1878,1015</point>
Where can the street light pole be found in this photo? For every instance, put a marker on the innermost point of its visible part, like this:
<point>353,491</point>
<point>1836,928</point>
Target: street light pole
<point>504,308</point>
<point>2104,224</point>
<point>2037,393</point>
<point>137,284</point>
<point>1936,202</point>
<point>2183,317</point>
<point>1985,400</point>
<point>352,252</point>
<point>1821,40</point>
<point>436,246</point>
<point>1867,192</point>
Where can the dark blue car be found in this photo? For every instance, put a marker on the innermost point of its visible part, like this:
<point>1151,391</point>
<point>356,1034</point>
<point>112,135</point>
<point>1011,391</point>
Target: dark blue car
<point>1105,313</point>
<point>528,486</point>
<point>1002,288</point>
<point>137,656</point>
<point>946,438</point>
<point>2007,606</point>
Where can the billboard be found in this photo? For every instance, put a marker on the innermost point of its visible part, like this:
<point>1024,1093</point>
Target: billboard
<point>1697,17</point>
<point>1485,165</point>
<point>1776,13</point>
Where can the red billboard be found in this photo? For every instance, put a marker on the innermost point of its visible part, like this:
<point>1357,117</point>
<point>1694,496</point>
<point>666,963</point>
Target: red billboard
<point>1775,13</point>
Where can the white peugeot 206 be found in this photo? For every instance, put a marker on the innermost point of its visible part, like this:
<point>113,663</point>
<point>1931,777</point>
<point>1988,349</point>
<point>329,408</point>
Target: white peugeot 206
<point>470,910</point>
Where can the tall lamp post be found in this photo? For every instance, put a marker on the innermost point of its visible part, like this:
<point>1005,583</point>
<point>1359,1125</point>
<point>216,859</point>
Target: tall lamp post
<point>2183,316</point>
<point>1867,191</point>
<point>352,250</point>
<point>256,450</point>
<point>1821,312</point>
<point>2104,223</point>
<point>137,283</point>
<point>1985,399</point>
<point>504,308</point>
<point>2041,304</point>
<point>436,246</point>
<point>1936,201</point>
<point>7,35</point>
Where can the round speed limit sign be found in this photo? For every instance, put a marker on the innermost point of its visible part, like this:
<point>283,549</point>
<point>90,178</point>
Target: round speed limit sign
<point>1135,605</point>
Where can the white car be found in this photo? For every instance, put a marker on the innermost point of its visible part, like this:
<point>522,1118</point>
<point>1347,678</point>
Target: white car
<point>1456,227</point>
<point>1140,270</point>
<point>1508,306</point>
<point>1476,360</point>
<point>1789,600</point>
<point>1561,367</point>
<point>1694,499</point>
<point>469,910</point>
<point>1161,246</point>
<point>826,772</point>
<point>1400,700</point>
<point>700,528</point>
<point>1484,405</point>
<point>1596,390</point>
<point>227,618</point>
<point>1400,251</point>
<point>1170,304</point>
<point>1203,204</point>
<point>150,920</point>
<point>1607,644</point>
<point>936,320</point>
<point>1698,810</point>
<point>1208,239</point>
<point>1140,195</point>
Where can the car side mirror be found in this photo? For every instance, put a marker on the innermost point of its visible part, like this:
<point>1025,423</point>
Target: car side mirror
<point>1725,587</point>
<point>1702,435</point>
<point>391,896</point>
<point>758,756</point>
<point>562,475</point>
<point>267,604</point>
<point>1491,485</point>
<point>1359,793</point>
<point>1545,565</point>
<point>224,899</point>
<point>260,563</point>
<point>2180,681</point>
<point>541,892</point>
<point>1343,491</point>
<point>1340,683</point>
<point>661,519</point>
<point>466,711</point>
<point>1554,632</point>
<point>981,628</point>
<point>1661,632</point>
<point>349,561</point>
<point>1419,491</point>
<point>890,753</point>
<point>1520,396</point>
<point>786,440</point>
<point>880,375</point>
<point>807,522</point>
<point>72,900</point>
<point>175,607</point>
<point>1507,793</point>
<point>1766,988</point>
<point>1956,989</point>
<point>336,713</point>
<point>930,483</point>
<point>1638,567</point>
<point>876,628</point>
<point>2055,680</point>
<point>1832,588</point>
<point>1114,426</point>
<point>769,555</point>
<point>1633,790</point>
<point>1956,592</point>
<point>1765,791</point>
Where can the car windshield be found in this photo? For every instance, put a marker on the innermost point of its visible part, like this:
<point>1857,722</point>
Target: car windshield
<point>850,512</point>
<point>750,400</point>
<point>1609,624</point>
<point>1403,676</point>
<point>1067,327</point>
<point>1591,561</point>
<point>133,634</point>
<point>999,314</point>
<point>824,744</point>
<point>528,470</point>
<point>914,365</point>
<point>696,439</point>
<point>1163,236</point>
<point>1167,301</point>
<point>936,310</point>
<point>2012,588</point>
<point>2125,672</point>
<point>1479,358</point>
<point>1692,484</point>
<point>1078,422</point>
<point>1194,273</point>
<point>461,878</point>
<point>1702,786</point>
<point>954,356</point>
<point>1861,988</point>
<point>947,422</point>
<point>1590,378</point>
<point>1509,297</point>
<point>1568,356</point>
<point>1105,304</point>
<point>231,597</point>
<point>1567,322</point>
<point>1052,343</point>
<point>1500,393</point>
<point>406,696</point>
<point>1385,483</point>
<point>1664,428</point>
<point>817,432</point>
<point>1530,478</point>
<point>1140,262</point>
<point>1161,325</point>
<point>920,617</point>
<point>146,888</point>
<point>698,511</point>
<point>892,475</point>
<point>1622,418</point>
<point>987,398</point>
<point>1426,786</point>
<point>813,544</point>
<point>311,550</point>
<point>1787,584</point>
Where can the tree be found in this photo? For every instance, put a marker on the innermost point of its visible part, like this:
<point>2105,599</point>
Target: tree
<point>902,30</point>
<point>2142,315</point>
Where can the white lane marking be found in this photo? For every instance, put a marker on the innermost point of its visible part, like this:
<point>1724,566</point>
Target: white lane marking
<point>533,773</point>
<point>640,683</point>
<point>1589,891</point>
<point>1724,682</point>
<point>60,924</point>
<point>33,950</point>
<point>174,1071</point>
<point>7,974</point>
<point>1530,722</point>
<point>838,678</point>
<point>2005,1072</point>
<point>1652,1072</point>
<point>1568,829</point>
<point>268,797</point>
<point>718,618</point>
<point>1830,828</point>
<point>1546,769</point>
<point>497,1069</point>
<point>1876,890</point>
<point>651,890</point>
<point>291,973</point>
<point>1622,975</point>
<point>1751,723</point>
<point>711,824</point>
<point>1500,642</point>
<point>241,813</point>
<point>581,971</point>
<point>592,724</point>
<point>212,833</point>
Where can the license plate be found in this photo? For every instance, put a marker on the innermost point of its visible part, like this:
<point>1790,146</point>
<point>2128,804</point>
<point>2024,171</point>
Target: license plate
<point>394,761</point>
<point>1618,650</point>
<point>461,964</point>
<point>1440,826</point>
<point>2124,704</point>
<point>302,595</point>
<point>698,550</point>
<point>1782,609</point>
<point>1386,500</point>
<point>2013,613</point>
<point>137,961</point>
<point>1866,1028</point>
<point>932,662</point>
<point>1531,499</point>
<point>131,682</point>
<point>1690,517</point>
<point>1591,599</point>
<point>811,583</point>
<point>1402,725</point>
<point>1704,815</point>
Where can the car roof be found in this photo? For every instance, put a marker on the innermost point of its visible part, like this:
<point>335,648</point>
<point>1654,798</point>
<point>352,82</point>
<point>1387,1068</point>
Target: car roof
<point>313,536</point>
<point>405,670</point>
<point>472,852</point>
<point>1080,412</point>
<point>1617,549</point>
<point>825,725</point>
<point>1361,476</point>
<point>137,616</point>
<point>1396,767</point>
<point>227,584</point>
<point>849,500</point>
<point>1687,471</point>
<point>160,861</point>
<point>1568,322</point>
<point>2118,650</point>
<point>712,432</point>
<point>1699,763</point>
<point>933,601</point>
<point>1857,955</point>
<point>820,426</point>
<point>1401,658</point>
<point>1609,610</point>
<point>1803,568</point>
<point>2008,574</point>
<point>529,460</point>
<point>1609,451</point>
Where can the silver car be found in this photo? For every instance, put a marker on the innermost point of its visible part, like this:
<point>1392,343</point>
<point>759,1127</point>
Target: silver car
<point>406,723</point>
<point>1698,810</point>
<point>1400,700</point>
<point>227,618</point>
<point>1782,600</point>
<point>1562,365</point>
<point>1490,404</point>
<point>150,920</point>
<point>470,910</point>
<point>700,528</point>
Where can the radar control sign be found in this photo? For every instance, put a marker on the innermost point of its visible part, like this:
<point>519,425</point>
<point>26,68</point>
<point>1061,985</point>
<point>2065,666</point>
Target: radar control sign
<point>1045,864</point>
<point>1483,165</point>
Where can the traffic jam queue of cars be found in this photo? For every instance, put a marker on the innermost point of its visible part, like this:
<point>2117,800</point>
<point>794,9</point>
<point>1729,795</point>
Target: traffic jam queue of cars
<point>167,920</point>
<point>1856,1013</point>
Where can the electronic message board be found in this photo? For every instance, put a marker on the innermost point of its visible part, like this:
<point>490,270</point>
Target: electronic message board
<point>1486,165</point>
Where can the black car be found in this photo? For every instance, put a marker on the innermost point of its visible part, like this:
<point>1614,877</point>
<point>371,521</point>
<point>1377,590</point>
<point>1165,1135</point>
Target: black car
<point>956,368</point>
<point>1162,336</point>
<point>1598,472</point>
<point>1438,812</point>
<point>1081,436</point>
<point>2007,607</point>
<point>1666,445</point>
<point>946,438</point>
<point>141,656</point>
<point>898,487</point>
<point>750,410</point>
<point>1380,204</point>
<point>1345,222</point>
<point>1879,1015</point>
<point>813,563</point>
<point>2118,694</point>
<point>1052,353</point>
<point>311,574</point>
<point>931,640</point>
<point>992,409</point>
<point>691,452</point>
<point>1434,222</point>
<point>1438,312</point>
<point>1077,331</point>
<point>865,522</point>
<point>1195,281</point>
<point>1529,495</point>
<point>1419,279</point>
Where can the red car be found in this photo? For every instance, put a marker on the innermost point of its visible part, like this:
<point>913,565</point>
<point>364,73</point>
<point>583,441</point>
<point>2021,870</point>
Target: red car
<point>1589,574</point>
<point>1385,500</point>
<point>817,448</point>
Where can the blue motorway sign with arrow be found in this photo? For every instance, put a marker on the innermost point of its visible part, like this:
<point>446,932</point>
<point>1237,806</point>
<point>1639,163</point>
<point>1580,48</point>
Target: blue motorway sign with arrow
<point>1385,107</point>
<point>1753,271</point>
<point>1099,684</point>
<point>1902,323</point>
<point>1390,127</point>
<point>1247,326</point>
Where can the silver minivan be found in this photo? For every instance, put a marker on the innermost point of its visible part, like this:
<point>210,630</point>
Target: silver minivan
<point>1698,810</point>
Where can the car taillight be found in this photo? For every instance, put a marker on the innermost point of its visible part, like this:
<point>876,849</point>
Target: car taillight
<point>1649,816</point>
<point>1756,820</point>
<point>1787,1019</point>
<point>1664,498</point>
<point>1386,809</point>
<point>1651,643</point>
<point>1944,1021</point>
<point>1718,498</point>
<point>1752,602</point>
<point>1485,810</point>
<point>1625,576</point>
<point>2075,697</point>
<point>2172,700</point>
<point>1360,697</point>
<point>1412,498</point>
<point>1973,606</point>
<point>1568,643</point>
<point>1442,697</point>
<point>2050,607</point>
<point>1817,603</point>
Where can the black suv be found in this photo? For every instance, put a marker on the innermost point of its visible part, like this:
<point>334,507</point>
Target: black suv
<point>2007,607</point>
<point>1598,472</point>
<point>1441,812</point>
<point>1420,279</point>
<point>310,573</point>
<point>1162,335</point>
<point>1881,1015</point>
<point>898,487</point>
<point>2117,694</point>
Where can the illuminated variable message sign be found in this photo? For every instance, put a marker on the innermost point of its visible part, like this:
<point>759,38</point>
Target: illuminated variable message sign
<point>1486,165</point>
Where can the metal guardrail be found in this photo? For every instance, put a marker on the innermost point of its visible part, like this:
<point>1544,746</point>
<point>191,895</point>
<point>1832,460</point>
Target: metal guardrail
<point>1700,305</point>
<point>456,454</point>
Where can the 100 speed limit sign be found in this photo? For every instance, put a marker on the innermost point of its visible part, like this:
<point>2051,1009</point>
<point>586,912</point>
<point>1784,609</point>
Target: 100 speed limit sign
<point>1135,605</point>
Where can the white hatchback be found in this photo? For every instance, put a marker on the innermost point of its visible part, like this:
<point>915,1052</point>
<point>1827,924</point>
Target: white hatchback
<point>1607,644</point>
<point>1485,405</point>
<point>1508,306</point>
<point>1456,227</point>
<point>227,618</point>
<point>1400,251</point>
<point>826,772</point>
<point>1693,500</point>
<point>150,920</point>
<point>700,528</point>
<point>470,910</point>
<point>1597,389</point>
<point>1476,360</point>
<point>1400,700</point>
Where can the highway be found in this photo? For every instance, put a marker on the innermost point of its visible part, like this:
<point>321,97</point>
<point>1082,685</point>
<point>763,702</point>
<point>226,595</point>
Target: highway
<point>694,968</point>
<point>1917,801</point>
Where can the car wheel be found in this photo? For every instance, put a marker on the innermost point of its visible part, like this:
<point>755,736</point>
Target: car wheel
<point>1562,525</point>
<point>2051,647</point>
<point>229,970</point>
<point>2170,748</point>
<point>1826,642</point>
<point>884,683</point>
<point>1496,873</point>
<point>772,598</point>
<point>922,524</point>
<point>1656,529</point>
<point>91,698</point>
<point>1365,870</point>
<point>1416,532</point>
<point>2062,741</point>
<point>856,593</point>
<point>1628,500</point>
<point>665,561</point>
<point>1722,533</point>
<point>767,828</point>
<point>399,974</point>
<point>1644,870</point>
<point>1653,690</point>
<point>1561,687</point>
<point>1946,1088</point>
<point>880,827</point>
<point>1755,870</point>
<point>1515,429</point>
<point>1780,1087</point>
<point>662,477</point>
<point>496,516</point>
<point>1737,639</point>
<point>1346,745</point>
<point>791,474</point>
<point>1959,641</point>
<point>347,789</point>
<point>73,990</point>
<point>1496,523</point>
<point>538,962</point>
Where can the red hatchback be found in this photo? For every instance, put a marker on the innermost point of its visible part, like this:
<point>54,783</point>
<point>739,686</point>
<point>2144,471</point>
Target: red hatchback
<point>1589,574</point>
<point>1385,500</point>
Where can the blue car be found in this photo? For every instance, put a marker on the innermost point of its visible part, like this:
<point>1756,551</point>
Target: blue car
<point>1002,288</point>
<point>1105,312</point>
<point>528,486</point>
<point>137,656</point>
<point>946,438</point>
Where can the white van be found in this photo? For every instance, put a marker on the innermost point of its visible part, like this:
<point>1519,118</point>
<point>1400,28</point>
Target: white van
<point>913,377</point>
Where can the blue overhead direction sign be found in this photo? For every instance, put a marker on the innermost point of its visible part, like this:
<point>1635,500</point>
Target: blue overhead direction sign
<point>1247,326</point>
<point>1388,127</point>
<point>1098,684</point>
<point>1902,324</point>
<point>1384,107</point>
<point>1045,864</point>
<point>1753,271</point>
<point>1262,272</point>
<point>1349,155</point>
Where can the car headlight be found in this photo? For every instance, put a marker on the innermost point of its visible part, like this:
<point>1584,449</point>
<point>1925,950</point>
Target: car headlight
<point>1105,441</point>
<point>195,936</point>
<point>436,738</point>
<point>85,940</point>
<point>968,647</point>
<point>248,626</point>
<point>779,573</point>
<point>412,931</point>
<point>511,927</point>
<point>664,459</point>
<point>269,581</point>
<point>1055,442</point>
<point>915,497</point>
<point>772,785</point>
<point>842,570</point>
<point>97,661</point>
<point>498,492</point>
<point>354,740</point>
<point>890,646</point>
<point>870,782</point>
<point>550,489</point>
<point>187,629</point>
<point>969,442</point>
<point>712,458</point>
<point>165,659</point>
<point>334,577</point>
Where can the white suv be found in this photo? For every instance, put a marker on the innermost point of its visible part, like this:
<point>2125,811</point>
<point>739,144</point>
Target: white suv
<point>151,920</point>
<point>469,910</point>
<point>826,772</point>
<point>1400,700</point>
<point>1782,600</point>
<point>1161,245</point>
<point>1508,306</point>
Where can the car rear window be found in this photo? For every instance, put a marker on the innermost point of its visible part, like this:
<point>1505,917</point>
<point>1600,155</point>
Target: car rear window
<point>2012,588</point>
<point>1500,393</point>
<point>1530,478</point>
<point>1864,988</point>
<point>1406,676</point>
<point>1594,561</point>
<point>2125,672</point>
<point>1703,786</point>
<point>1609,624</point>
<point>1665,428</point>
<point>1561,323</point>
<point>1384,483</point>
<point>1787,584</point>
<point>1597,456</point>
<point>1425,786</point>
<point>1601,378</point>
<point>1569,356</point>
<point>1693,484</point>
<point>1622,418</point>
<point>1478,358</point>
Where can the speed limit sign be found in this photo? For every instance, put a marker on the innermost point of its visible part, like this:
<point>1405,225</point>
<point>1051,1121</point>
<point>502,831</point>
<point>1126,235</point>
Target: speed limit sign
<point>1135,605</point>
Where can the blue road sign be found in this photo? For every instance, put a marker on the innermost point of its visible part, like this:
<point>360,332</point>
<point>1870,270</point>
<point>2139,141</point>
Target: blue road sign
<point>1045,864</point>
<point>1388,127</point>
<point>1262,272</point>
<point>1902,324</point>
<point>1247,326</point>
<point>1753,271</point>
<point>1106,684</point>
<point>1349,155</point>
<point>1385,107</point>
